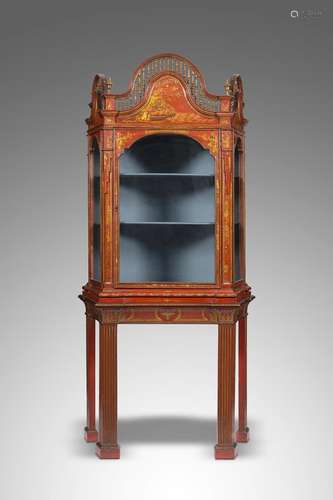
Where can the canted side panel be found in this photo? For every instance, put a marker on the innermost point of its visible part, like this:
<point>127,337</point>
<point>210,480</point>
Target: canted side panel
<point>95,250</point>
<point>238,212</point>
<point>237,219</point>
<point>243,211</point>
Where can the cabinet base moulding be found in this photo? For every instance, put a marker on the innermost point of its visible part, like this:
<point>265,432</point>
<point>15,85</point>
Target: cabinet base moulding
<point>106,452</point>
<point>90,435</point>
<point>243,436</point>
<point>225,453</point>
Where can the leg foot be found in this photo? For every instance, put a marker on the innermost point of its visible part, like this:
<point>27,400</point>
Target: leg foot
<point>107,452</point>
<point>243,436</point>
<point>90,435</point>
<point>225,452</point>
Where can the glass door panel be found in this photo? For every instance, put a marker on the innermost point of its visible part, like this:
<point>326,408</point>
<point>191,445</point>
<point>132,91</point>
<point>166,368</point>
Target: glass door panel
<point>167,211</point>
<point>96,212</point>
<point>237,217</point>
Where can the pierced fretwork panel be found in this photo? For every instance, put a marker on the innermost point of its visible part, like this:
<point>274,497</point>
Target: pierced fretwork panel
<point>168,63</point>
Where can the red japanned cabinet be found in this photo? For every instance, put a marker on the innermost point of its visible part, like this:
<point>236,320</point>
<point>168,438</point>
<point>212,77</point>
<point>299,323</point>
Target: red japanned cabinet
<point>166,228</point>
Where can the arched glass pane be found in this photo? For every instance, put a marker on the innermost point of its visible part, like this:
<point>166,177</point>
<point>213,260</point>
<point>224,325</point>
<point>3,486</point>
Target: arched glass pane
<point>167,211</point>
<point>96,213</point>
<point>237,217</point>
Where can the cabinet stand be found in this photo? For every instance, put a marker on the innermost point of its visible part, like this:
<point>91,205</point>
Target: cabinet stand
<point>109,317</point>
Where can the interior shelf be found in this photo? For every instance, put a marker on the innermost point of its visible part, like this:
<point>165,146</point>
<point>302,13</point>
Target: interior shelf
<point>165,174</point>
<point>168,223</point>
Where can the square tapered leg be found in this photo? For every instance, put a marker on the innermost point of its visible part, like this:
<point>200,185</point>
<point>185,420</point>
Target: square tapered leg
<point>243,432</point>
<point>107,446</point>
<point>226,447</point>
<point>90,432</point>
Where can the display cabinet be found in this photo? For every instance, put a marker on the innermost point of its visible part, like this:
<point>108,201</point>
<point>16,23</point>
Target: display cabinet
<point>166,226</point>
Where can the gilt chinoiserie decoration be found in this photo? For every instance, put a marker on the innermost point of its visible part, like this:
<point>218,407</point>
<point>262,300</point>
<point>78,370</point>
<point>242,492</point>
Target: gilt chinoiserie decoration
<point>166,227</point>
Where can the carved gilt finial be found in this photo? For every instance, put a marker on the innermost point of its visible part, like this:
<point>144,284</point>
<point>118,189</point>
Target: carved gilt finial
<point>107,85</point>
<point>236,87</point>
<point>228,87</point>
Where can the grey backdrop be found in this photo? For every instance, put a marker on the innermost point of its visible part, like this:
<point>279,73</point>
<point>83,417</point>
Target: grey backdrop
<point>167,376</point>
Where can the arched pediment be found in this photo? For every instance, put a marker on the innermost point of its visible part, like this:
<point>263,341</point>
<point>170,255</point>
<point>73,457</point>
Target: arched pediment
<point>170,64</point>
<point>167,89</point>
<point>166,101</point>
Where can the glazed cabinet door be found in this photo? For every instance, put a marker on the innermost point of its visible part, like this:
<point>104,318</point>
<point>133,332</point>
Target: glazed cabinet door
<point>167,213</point>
